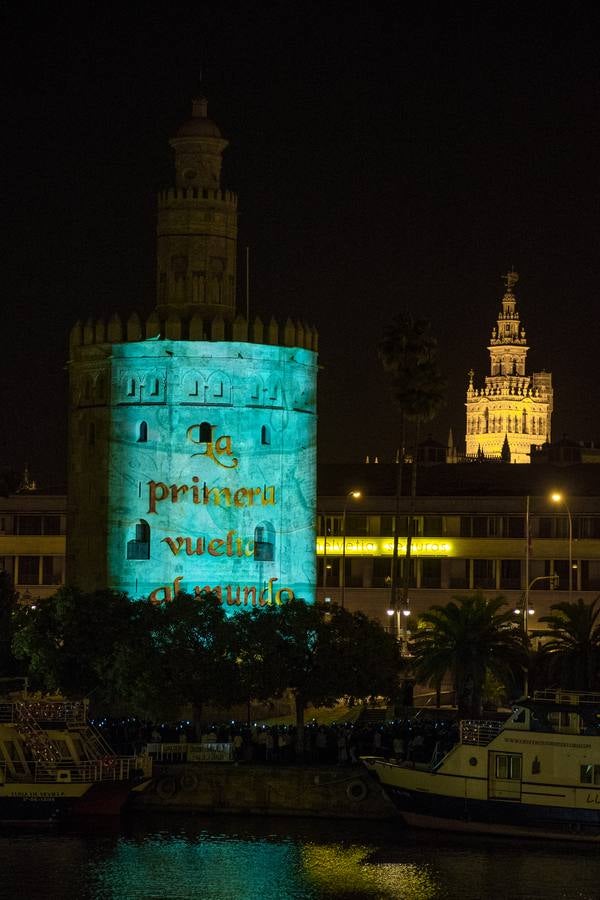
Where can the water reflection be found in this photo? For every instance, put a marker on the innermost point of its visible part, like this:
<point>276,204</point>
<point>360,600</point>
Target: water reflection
<point>184,857</point>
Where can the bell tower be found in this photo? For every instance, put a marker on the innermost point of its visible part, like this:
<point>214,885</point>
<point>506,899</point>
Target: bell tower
<point>512,410</point>
<point>197,226</point>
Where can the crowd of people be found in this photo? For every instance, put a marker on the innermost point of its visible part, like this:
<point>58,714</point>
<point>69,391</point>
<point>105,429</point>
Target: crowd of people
<point>417,739</point>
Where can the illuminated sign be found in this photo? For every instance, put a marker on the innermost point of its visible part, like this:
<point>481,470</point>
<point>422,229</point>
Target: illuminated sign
<point>212,471</point>
<point>383,546</point>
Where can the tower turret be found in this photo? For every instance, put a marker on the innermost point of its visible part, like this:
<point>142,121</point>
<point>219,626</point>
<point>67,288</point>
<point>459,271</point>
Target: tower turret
<point>197,226</point>
<point>512,410</point>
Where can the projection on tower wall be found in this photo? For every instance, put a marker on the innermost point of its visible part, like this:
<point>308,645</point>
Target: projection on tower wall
<point>212,471</point>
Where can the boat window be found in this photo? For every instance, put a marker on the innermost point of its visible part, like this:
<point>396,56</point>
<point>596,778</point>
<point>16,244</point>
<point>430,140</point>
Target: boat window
<point>519,715</point>
<point>508,766</point>
<point>590,774</point>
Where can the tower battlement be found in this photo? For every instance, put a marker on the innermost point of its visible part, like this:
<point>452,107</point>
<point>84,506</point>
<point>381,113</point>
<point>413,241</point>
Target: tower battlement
<point>177,328</point>
<point>218,195</point>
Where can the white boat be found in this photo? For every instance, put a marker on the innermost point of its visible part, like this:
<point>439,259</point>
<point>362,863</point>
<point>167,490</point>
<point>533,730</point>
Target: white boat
<point>54,764</point>
<point>535,775</point>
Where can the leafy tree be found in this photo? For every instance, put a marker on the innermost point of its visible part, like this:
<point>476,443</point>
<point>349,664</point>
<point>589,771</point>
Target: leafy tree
<point>69,642</point>
<point>572,651</point>
<point>184,655</point>
<point>8,607</point>
<point>408,354</point>
<point>319,652</point>
<point>467,640</point>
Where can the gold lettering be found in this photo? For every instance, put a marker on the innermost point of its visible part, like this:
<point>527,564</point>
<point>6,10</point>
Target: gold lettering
<point>269,496</point>
<point>240,496</point>
<point>214,546</point>
<point>157,491</point>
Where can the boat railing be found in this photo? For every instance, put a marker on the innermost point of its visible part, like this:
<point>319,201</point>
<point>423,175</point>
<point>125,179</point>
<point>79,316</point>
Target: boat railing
<point>575,698</point>
<point>479,733</point>
<point>69,712</point>
<point>116,768</point>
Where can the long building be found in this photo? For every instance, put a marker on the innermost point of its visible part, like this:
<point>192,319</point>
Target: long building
<point>471,531</point>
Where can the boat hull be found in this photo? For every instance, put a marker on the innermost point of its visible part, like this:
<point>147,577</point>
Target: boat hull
<point>435,811</point>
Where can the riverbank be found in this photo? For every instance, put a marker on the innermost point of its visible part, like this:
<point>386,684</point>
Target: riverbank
<point>224,788</point>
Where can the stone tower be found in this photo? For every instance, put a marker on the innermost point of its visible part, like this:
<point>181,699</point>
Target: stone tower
<point>513,409</point>
<point>197,226</point>
<point>192,434</point>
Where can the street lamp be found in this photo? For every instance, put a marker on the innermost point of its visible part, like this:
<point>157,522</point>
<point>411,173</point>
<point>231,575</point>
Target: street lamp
<point>527,611</point>
<point>398,626</point>
<point>559,498</point>
<point>354,495</point>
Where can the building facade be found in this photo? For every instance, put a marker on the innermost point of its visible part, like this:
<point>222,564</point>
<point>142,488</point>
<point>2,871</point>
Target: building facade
<point>512,410</point>
<point>192,435</point>
<point>478,526</point>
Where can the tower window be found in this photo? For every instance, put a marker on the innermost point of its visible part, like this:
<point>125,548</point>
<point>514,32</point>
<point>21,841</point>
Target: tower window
<point>265,437</point>
<point>143,433</point>
<point>264,543</point>
<point>205,436</point>
<point>139,546</point>
<point>131,386</point>
<point>154,387</point>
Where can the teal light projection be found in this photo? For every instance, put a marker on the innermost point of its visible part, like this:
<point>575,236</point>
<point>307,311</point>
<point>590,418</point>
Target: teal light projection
<point>212,471</point>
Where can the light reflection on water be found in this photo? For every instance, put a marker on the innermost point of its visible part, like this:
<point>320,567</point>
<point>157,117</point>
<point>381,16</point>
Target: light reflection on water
<point>179,857</point>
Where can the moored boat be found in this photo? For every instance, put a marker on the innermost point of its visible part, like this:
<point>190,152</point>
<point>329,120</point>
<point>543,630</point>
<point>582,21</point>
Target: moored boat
<point>54,764</point>
<point>535,775</point>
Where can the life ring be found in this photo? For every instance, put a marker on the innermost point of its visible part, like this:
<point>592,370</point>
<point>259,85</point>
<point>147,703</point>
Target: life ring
<point>108,761</point>
<point>188,781</point>
<point>166,787</point>
<point>357,791</point>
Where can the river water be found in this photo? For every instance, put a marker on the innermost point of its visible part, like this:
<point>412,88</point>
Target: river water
<point>176,857</point>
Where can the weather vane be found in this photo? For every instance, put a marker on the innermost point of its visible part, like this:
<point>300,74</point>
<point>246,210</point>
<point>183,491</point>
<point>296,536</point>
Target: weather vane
<point>510,279</point>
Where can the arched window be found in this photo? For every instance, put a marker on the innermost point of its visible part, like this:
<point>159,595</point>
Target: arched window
<point>139,546</point>
<point>264,542</point>
<point>265,436</point>
<point>143,433</point>
<point>205,435</point>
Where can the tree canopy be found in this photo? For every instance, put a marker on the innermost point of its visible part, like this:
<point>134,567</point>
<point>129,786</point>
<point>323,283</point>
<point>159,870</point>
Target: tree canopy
<point>466,640</point>
<point>572,651</point>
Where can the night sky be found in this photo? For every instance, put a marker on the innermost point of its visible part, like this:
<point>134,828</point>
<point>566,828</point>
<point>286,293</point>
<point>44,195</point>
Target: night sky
<point>385,156</point>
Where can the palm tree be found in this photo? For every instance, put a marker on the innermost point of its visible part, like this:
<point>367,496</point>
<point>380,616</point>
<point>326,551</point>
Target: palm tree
<point>573,649</point>
<point>408,354</point>
<point>467,640</point>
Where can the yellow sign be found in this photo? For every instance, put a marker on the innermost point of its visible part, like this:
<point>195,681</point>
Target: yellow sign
<point>383,546</point>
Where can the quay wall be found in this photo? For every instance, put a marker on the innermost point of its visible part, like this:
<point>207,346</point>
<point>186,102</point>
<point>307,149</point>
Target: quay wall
<point>323,791</point>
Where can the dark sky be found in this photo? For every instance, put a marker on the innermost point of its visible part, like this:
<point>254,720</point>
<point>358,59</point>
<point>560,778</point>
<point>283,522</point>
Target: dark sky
<point>386,156</point>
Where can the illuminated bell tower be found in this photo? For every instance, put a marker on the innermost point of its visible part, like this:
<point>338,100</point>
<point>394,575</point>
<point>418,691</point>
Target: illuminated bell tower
<point>512,410</point>
<point>197,226</point>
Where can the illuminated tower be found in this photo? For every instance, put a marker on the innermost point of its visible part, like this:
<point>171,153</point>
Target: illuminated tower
<point>192,435</point>
<point>512,410</point>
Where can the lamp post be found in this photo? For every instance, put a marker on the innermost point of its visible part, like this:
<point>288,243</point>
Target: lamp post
<point>529,611</point>
<point>400,633</point>
<point>355,495</point>
<point>559,498</point>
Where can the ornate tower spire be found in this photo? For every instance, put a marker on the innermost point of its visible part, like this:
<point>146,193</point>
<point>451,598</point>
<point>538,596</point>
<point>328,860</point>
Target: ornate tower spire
<point>197,226</point>
<point>513,409</point>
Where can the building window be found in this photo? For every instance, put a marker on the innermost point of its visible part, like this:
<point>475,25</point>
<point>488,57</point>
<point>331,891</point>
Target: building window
<point>52,569</point>
<point>265,437</point>
<point>139,546</point>
<point>29,570</point>
<point>510,574</point>
<point>143,433</point>
<point>131,387</point>
<point>382,572</point>
<point>264,543</point>
<point>154,387</point>
<point>484,573</point>
<point>205,433</point>
<point>29,525</point>
<point>431,573</point>
<point>458,574</point>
